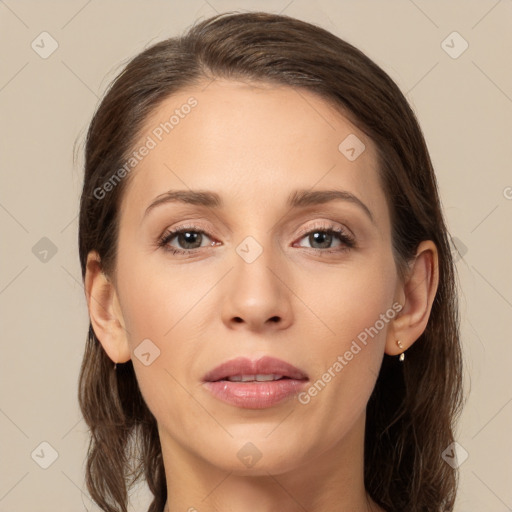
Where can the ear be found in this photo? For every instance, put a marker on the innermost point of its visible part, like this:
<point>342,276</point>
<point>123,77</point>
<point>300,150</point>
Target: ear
<point>105,311</point>
<point>417,294</point>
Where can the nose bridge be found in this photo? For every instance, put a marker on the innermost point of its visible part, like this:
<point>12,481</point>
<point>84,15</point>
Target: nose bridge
<point>256,247</point>
<point>255,260</point>
<point>255,293</point>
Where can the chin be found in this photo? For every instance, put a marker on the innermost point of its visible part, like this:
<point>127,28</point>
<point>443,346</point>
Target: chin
<point>263,467</point>
<point>258,455</point>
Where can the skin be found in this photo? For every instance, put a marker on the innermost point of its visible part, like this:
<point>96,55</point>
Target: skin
<point>253,144</point>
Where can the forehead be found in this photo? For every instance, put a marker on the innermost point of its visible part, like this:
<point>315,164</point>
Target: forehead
<point>253,144</point>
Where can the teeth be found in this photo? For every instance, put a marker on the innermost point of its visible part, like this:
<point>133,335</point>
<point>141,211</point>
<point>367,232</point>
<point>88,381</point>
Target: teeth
<point>258,378</point>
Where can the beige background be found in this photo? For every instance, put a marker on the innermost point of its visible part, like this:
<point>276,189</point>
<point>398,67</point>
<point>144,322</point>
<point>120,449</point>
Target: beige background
<point>464,105</point>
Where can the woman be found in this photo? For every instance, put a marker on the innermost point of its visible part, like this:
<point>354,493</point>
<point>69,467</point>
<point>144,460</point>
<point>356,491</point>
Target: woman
<point>273,314</point>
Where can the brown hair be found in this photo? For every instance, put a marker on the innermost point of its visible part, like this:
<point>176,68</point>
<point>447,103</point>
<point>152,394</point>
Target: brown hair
<point>412,411</point>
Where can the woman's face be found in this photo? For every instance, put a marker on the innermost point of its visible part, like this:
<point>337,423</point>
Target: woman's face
<point>256,275</point>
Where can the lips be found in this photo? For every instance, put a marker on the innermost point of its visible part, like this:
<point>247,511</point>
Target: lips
<point>258,370</point>
<point>260,384</point>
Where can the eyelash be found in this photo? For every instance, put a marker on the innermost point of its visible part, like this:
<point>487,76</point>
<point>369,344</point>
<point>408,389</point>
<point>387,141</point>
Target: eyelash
<point>343,237</point>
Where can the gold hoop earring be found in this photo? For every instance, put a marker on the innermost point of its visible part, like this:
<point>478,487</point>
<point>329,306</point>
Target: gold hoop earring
<point>402,355</point>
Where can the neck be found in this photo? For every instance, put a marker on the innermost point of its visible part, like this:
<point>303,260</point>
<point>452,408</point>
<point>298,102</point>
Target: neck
<point>332,480</point>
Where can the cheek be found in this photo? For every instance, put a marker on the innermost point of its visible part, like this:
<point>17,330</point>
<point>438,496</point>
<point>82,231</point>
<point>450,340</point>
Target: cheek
<point>349,299</point>
<point>157,298</point>
<point>156,310</point>
<point>166,306</point>
<point>356,312</point>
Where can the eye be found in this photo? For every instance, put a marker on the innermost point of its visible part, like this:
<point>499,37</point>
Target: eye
<point>321,237</point>
<point>188,238</point>
<point>192,238</point>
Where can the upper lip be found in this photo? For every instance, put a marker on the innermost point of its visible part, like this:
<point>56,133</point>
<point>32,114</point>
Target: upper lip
<point>264,366</point>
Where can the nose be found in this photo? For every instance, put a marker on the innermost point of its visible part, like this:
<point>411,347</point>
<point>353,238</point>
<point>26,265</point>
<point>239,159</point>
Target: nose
<point>257,296</point>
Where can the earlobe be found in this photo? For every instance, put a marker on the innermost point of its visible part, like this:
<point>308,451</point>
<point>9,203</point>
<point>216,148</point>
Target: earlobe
<point>418,292</point>
<point>104,311</point>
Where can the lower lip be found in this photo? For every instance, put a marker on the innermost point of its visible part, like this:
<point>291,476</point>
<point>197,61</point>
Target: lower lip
<point>255,395</point>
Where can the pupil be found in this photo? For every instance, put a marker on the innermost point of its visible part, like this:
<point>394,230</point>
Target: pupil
<point>317,238</point>
<point>188,238</point>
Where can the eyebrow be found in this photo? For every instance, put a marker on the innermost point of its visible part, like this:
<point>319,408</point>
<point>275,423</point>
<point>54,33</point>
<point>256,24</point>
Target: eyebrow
<point>297,199</point>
